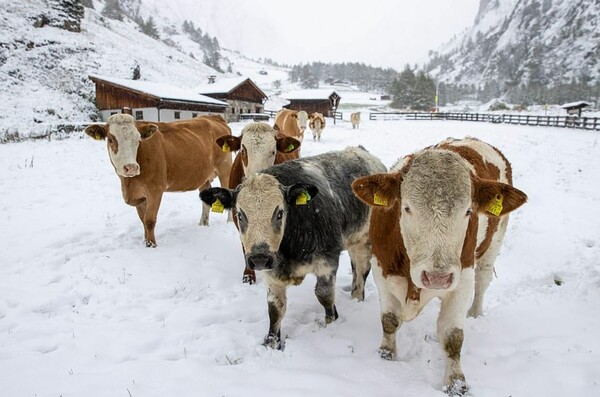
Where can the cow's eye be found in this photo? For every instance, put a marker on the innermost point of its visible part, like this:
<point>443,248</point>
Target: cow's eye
<point>110,140</point>
<point>407,209</point>
<point>469,212</point>
<point>279,215</point>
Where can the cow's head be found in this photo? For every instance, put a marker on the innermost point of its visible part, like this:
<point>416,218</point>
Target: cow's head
<point>259,144</point>
<point>439,201</point>
<point>123,139</point>
<point>302,118</point>
<point>262,205</point>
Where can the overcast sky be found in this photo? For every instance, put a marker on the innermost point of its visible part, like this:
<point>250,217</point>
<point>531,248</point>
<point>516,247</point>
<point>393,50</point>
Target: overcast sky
<point>378,32</point>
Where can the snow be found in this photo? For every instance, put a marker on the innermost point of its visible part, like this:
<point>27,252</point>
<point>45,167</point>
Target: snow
<point>221,86</point>
<point>309,94</point>
<point>163,91</point>
<point>86,310</point>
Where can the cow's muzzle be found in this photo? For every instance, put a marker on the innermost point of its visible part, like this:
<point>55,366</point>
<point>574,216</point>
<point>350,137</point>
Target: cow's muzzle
<point>260,261</point>
<point>436,280</point>
<point>131,170</point>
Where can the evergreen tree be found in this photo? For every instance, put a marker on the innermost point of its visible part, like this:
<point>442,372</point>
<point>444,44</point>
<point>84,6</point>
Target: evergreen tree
<point>63,14</point>
<point>149,28</point>
<point>112,9</point>
<point>403,89</point>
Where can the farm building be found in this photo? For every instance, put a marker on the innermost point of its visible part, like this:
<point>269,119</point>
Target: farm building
<point>241,94</point>
<point>322,101</point>
<point>574,108</point>
<point>149,101</point>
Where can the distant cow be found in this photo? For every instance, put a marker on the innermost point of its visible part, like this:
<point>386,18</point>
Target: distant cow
<point>260,147</point>
<point>295,218</point>
<point>153,158</point>
<point>436,214</point>
<point>317,125</point>
<point>291,123</point>
<point>355,120</point>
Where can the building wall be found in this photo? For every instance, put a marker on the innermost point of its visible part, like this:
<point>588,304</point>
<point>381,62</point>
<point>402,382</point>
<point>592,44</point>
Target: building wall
<point>236,107</point>
<point>151,114</point>
<point>311,107</point>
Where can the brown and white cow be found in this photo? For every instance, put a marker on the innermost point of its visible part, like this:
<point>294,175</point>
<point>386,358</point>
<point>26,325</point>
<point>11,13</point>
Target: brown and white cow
<point>439,218</point>
<point>355,120</point>
<point>291,123</point>
<point>153,158</point>
<point>260,147</point>
<point>317,125</point>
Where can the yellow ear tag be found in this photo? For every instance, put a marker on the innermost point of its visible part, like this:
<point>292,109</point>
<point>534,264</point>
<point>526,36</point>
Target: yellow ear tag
<point>495,206</point>
<point>97,136</point>
<point>302,198</point>
<point>378,200</point>
<point>226,149</point>
<point>289,148</point>
<point>217,206</point>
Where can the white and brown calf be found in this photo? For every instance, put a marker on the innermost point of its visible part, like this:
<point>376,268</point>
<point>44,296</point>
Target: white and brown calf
<point>317,125</point>
<point>355,120</point>
<point>439,218</point>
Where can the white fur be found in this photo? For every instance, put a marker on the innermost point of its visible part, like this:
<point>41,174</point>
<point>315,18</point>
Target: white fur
<point>260,142</point>
<point>122,127</point>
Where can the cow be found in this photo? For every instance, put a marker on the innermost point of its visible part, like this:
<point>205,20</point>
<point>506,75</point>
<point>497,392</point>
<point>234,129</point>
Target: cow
<point>437,214</point>
<point>295,218</point>
<point>317,125</point>
<point>260,147</point>
<point>153,158</point>
<point>355,120</point>
<point>291,123</point>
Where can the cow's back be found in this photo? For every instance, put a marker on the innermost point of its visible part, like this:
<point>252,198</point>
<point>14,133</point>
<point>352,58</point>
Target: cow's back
<point>335,209</point>
<point>186,153</point>
<point>286,122</point>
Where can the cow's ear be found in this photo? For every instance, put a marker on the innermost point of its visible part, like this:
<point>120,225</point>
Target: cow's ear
<point>496,198</point>
<point>229,143</point>
<point>96,131</point>
<point>301,194</point>
<point>276,128</point>
<point>379,190</point>
<point>146,131</point>
<point>225,196</point>
<point>287,144</point>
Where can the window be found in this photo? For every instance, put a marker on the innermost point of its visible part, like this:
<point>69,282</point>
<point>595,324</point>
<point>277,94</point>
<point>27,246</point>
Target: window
<point>194,115</point>
<point>111,113</point>
<point>232,110</point>
<point>139,114</point>
<point>177,115</point>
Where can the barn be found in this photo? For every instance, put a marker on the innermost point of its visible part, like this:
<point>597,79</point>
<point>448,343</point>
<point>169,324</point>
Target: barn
<point>322,101</point>
<point>574,108</point>
<point>150,101</point>
<point>241,94</point>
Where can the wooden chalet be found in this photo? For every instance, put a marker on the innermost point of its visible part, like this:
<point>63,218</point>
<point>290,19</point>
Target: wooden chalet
<point>322,101</point>
<point>574,108</point>
<point>149,101</point>
<point>241,94</point>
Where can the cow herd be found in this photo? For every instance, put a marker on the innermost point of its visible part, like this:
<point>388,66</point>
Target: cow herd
<point>430,227</point>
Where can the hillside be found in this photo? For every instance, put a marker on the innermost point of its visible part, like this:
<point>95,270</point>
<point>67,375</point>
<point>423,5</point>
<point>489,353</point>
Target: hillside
<point>43,71</point>
<point>533,43</point>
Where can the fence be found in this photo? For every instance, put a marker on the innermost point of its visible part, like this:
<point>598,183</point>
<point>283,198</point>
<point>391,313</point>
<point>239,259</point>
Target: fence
<point>586,123</point>
<point>47,131</point>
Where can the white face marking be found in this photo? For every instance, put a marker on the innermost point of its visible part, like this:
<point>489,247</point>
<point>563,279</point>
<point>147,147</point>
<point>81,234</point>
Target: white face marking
<point>261,210</point>
<point>436,195</point>
<point>260,144</point>
<point>122,128</point>
<point>302,120</point>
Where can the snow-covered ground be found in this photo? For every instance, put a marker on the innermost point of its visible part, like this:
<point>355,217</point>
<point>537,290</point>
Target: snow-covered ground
<point>86,310</point>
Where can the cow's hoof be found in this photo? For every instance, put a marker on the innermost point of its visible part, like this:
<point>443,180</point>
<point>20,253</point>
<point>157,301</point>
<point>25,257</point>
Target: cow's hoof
<point>273,342</point>
<point>457,387</point>
<point>150,244</point>
<point>248,279</point>
<point>357,294</point>
<point>331,315</point>
<point>387,354</point>
<point>473,312</point>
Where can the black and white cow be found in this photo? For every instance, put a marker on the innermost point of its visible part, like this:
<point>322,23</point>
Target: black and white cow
<point>295,218</point>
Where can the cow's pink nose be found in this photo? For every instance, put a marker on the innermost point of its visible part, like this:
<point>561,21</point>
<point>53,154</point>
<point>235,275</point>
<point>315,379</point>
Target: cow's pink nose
<point>131,169</point>
<point>437,280</point>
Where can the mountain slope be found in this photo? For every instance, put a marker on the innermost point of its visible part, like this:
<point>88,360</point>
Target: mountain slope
<point>525,42</point>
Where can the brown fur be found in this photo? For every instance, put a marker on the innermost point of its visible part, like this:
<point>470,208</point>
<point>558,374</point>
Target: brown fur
<point>286,122</point>
<point>316,116</point>
<point>178,156</point>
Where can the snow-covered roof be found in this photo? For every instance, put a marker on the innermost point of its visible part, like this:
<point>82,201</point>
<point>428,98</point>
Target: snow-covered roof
<point>575,104</point>
<point>310,94</point>
<point>162,91</point>
<point>224,86</point>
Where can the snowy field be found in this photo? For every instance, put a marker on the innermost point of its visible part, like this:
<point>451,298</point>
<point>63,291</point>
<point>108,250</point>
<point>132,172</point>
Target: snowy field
<point>87,310</point>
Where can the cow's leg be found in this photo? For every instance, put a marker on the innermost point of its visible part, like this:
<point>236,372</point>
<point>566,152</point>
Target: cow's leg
<point>360,256</point>
<point>484,270</point>
<point>325,292</point>
<point>205,207</point>
<point>450,326</point>
<point>152,206</point>
<point>276,301</point>
<point>391,316</point>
